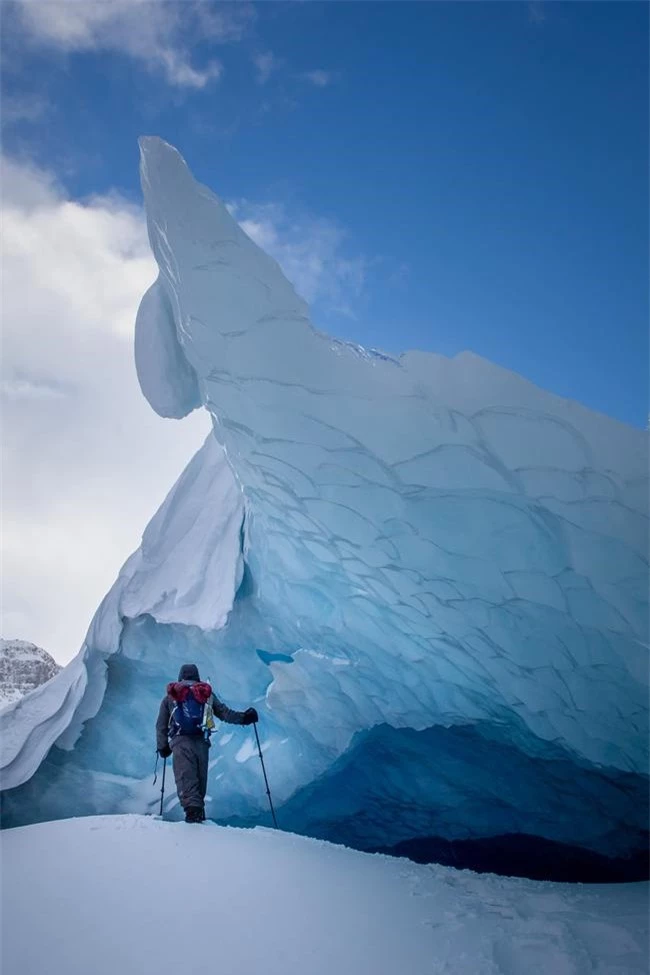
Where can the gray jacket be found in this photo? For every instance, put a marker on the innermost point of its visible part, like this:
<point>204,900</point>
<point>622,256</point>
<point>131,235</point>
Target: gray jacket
<point>167,705</point>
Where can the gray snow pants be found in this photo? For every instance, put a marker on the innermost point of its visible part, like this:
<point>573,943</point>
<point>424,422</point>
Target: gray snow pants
<point>190,764</point>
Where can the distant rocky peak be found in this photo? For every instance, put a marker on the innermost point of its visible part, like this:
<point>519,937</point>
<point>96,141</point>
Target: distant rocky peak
<point>23,666</point>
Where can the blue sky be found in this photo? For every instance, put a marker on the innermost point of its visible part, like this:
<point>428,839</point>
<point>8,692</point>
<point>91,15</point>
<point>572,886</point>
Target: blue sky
<point>483,166</point>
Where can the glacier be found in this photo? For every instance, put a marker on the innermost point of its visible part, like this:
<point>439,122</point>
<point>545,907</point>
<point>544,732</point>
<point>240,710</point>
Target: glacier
<point>428,574</point>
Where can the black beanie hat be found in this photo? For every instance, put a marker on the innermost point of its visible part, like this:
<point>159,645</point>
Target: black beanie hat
<point>189,672</point>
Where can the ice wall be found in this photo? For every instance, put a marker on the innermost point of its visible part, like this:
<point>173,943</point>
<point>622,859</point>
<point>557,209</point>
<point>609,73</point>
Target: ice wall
<point>428,543</point>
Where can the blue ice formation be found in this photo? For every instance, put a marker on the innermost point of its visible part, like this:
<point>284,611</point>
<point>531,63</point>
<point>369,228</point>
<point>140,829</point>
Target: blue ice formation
<point>429,575</point>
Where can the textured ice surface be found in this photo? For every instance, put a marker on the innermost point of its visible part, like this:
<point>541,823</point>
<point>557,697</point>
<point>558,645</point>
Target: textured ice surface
<point>428,543</point>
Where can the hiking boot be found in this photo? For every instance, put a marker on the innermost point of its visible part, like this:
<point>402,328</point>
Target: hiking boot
<point>194,814</point>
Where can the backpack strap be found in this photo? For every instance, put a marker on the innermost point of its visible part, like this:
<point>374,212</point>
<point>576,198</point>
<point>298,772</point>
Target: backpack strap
<point>171,724</point>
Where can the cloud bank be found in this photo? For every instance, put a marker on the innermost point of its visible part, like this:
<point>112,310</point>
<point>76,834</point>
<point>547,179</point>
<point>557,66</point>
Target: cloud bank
<point>162,36</point>
<point>85,460</point>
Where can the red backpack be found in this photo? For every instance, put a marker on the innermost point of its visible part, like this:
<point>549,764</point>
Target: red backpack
<point>192,712</point>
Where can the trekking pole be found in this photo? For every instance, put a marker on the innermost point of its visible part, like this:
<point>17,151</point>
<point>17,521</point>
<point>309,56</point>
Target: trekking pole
<point>266,781</point>
<point>162,791</point>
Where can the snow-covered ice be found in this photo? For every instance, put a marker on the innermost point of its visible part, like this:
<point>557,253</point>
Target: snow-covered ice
<point>429,575</point>
<point>133,894</point>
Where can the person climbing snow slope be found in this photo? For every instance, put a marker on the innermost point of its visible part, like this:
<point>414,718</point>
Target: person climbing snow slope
<point>185,721</point>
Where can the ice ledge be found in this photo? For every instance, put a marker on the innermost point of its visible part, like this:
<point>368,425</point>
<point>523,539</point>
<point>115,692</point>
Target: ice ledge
<point>187,570</point>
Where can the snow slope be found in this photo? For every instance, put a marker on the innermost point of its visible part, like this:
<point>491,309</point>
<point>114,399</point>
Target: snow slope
<point>111,894</point>
<point>444,567</point>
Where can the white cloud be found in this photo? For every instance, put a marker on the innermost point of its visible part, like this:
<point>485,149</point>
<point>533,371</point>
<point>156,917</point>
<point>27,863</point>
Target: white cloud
<point>536,12</point>
<point>159,34</point>
<point>309,250</point>
<point>23,107</point>
<point>25,387</point>
<point>265,64</point>
<point>319,78</point>
<point>85,460</point>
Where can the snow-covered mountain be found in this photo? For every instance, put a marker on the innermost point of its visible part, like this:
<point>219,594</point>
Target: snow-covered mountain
<point>23,666</point>
<point>267,903</point>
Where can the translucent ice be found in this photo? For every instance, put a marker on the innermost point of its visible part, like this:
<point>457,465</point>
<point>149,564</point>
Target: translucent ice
<point>397,546</point>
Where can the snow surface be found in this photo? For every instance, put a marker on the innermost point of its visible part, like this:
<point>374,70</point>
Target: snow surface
<point>133,894</point>
<point>415,545</point>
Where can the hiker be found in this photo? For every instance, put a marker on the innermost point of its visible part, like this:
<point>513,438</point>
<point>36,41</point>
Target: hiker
<point>183,731</point>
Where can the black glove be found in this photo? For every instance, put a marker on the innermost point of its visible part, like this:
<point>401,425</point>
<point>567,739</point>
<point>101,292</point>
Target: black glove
<point>165,751</point>
<point>250,716</point>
